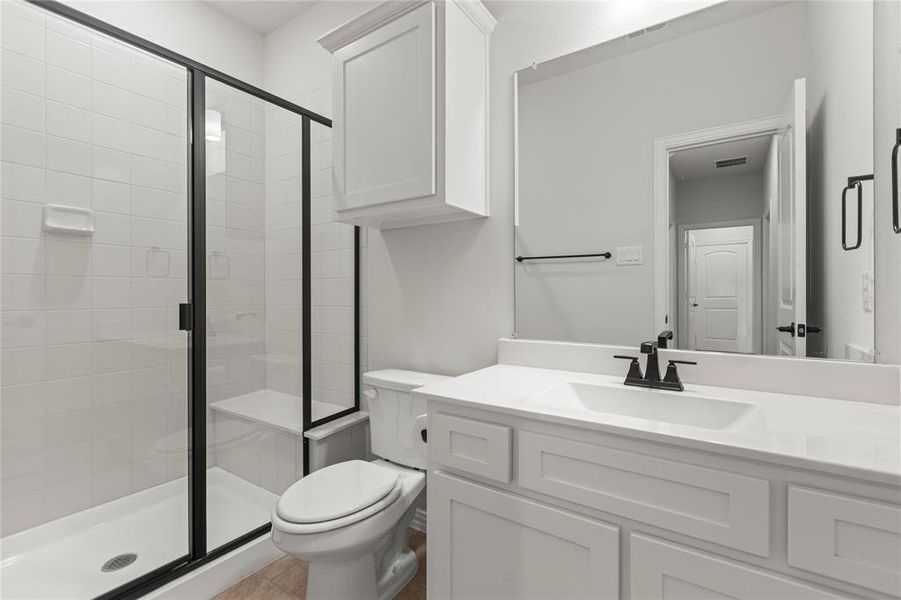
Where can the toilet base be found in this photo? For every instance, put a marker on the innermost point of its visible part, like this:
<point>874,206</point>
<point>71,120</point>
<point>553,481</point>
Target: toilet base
<point>342,580</point>
<point>399,575</point>
<point>355,579</point>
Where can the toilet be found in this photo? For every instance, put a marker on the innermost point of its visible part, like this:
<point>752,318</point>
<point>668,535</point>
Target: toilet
<point>349,520</point>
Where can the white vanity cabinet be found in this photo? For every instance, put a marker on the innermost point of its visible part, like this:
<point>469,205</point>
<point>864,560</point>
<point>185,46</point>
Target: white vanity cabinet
<point>410,124</point>
<point>663,571</point>
<point>485,543</point>
<point>525,508</point>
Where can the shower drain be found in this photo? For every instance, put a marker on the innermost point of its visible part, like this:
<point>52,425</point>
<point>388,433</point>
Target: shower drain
<point>119,562</point>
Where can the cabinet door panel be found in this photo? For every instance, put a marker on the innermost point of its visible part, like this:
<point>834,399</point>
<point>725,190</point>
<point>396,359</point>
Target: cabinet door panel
<point>664,571</point>
<point>851,539</point>
<point>484,543</point>
<point>384,136</point>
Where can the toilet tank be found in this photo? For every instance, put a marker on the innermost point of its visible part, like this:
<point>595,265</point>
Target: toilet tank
<point>393,412</point>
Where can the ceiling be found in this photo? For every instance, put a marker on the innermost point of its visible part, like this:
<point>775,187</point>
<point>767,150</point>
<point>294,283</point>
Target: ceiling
<point>701,162</point>
<point>262,16</point>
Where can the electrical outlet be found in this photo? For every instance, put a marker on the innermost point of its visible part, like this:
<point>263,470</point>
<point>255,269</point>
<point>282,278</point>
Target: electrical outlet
<point>627,256</point>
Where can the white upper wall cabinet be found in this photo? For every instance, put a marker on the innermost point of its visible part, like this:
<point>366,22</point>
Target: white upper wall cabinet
<point>411,113</point>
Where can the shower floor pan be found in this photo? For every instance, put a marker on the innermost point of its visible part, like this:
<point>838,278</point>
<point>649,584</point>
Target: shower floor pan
<point>65,558</point>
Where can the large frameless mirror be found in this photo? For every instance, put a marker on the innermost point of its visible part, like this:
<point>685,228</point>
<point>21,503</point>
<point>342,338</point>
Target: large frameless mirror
<point>710,179</point>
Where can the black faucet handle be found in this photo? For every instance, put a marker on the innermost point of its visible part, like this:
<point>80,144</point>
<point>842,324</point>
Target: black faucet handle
<point>634,374</point>
<point>671,380</point>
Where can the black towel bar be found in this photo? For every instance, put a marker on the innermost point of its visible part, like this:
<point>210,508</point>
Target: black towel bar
<point>598,255</point>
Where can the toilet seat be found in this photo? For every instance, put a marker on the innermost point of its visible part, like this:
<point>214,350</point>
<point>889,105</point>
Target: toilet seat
<point>338,495</point>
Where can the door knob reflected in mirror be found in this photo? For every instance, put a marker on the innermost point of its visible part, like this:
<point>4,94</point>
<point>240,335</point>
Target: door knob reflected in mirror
<point>787,329</point>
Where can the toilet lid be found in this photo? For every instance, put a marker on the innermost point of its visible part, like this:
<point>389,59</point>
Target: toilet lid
<point>336,491</point>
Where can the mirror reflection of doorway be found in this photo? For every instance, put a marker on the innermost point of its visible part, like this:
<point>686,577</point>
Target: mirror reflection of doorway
<point>750,173</point>
<point>722,195</point>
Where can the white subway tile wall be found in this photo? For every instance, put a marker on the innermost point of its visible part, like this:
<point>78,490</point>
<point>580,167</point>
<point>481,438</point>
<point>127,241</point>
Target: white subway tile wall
<point>93,399</point>
<point>284,241</point>
<point>236,276</point>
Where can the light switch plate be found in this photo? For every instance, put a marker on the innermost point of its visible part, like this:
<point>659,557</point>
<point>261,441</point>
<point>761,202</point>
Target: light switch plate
<point>629,255</point>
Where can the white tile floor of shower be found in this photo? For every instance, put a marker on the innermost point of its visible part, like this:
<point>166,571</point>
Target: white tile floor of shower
<point>63,558</point>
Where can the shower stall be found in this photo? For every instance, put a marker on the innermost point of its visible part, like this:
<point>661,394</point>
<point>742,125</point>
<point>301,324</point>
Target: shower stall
<point>178,306</point>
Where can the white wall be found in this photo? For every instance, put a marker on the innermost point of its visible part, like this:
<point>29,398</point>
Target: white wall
<point>586,140</point>
<point>193,29</point>
<point>840,144</point>
<point>717,199</point>
<point>294,62</point>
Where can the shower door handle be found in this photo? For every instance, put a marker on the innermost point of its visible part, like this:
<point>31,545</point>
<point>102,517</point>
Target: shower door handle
<point>185,317</point>
<point>896,211</point>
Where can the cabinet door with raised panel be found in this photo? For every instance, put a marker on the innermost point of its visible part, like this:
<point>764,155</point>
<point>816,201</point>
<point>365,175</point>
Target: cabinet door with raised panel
<point>484,543</point>
<point>384,126</point>
<point>664,571</point>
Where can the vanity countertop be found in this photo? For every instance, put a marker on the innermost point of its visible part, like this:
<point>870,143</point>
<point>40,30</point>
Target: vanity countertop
<point>855,439</point>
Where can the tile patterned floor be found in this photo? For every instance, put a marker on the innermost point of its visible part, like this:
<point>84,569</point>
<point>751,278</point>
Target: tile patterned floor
<point>286,578</point>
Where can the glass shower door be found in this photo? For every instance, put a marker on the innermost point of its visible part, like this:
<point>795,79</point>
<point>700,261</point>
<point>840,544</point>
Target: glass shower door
<point>254,309</point>
<point>93,422</point>
<point>335,317</point>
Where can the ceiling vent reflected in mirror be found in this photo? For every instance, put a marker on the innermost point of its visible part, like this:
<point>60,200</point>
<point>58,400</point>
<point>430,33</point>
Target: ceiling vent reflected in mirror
<point>731,162</point>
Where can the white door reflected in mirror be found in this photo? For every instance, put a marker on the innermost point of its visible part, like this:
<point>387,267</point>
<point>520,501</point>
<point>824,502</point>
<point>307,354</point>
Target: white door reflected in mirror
<point>719,303</point>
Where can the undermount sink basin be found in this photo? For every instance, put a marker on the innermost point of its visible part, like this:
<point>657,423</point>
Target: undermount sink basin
<point>680,408</point>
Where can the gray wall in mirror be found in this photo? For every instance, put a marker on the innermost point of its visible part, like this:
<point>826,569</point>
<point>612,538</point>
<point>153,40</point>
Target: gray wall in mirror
<point>586,132</point>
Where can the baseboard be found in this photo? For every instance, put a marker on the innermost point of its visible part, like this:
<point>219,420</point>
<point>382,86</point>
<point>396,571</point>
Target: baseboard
<point>419,520</point>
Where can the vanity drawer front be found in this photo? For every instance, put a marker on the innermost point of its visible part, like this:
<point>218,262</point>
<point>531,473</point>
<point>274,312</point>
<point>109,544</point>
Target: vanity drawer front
<point>661,571</point>
<point>471,446</point>
<point>729,509</point>
<point>851,539</point>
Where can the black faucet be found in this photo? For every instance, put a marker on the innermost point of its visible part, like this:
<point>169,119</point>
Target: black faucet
<point>662,337</point>
<point>651,377</point>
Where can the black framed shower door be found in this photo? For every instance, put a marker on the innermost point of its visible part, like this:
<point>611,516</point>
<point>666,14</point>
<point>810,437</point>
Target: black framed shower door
<point>193,315</point>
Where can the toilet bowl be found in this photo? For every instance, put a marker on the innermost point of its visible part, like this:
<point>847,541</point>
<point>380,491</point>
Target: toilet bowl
<point>349,520</point>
